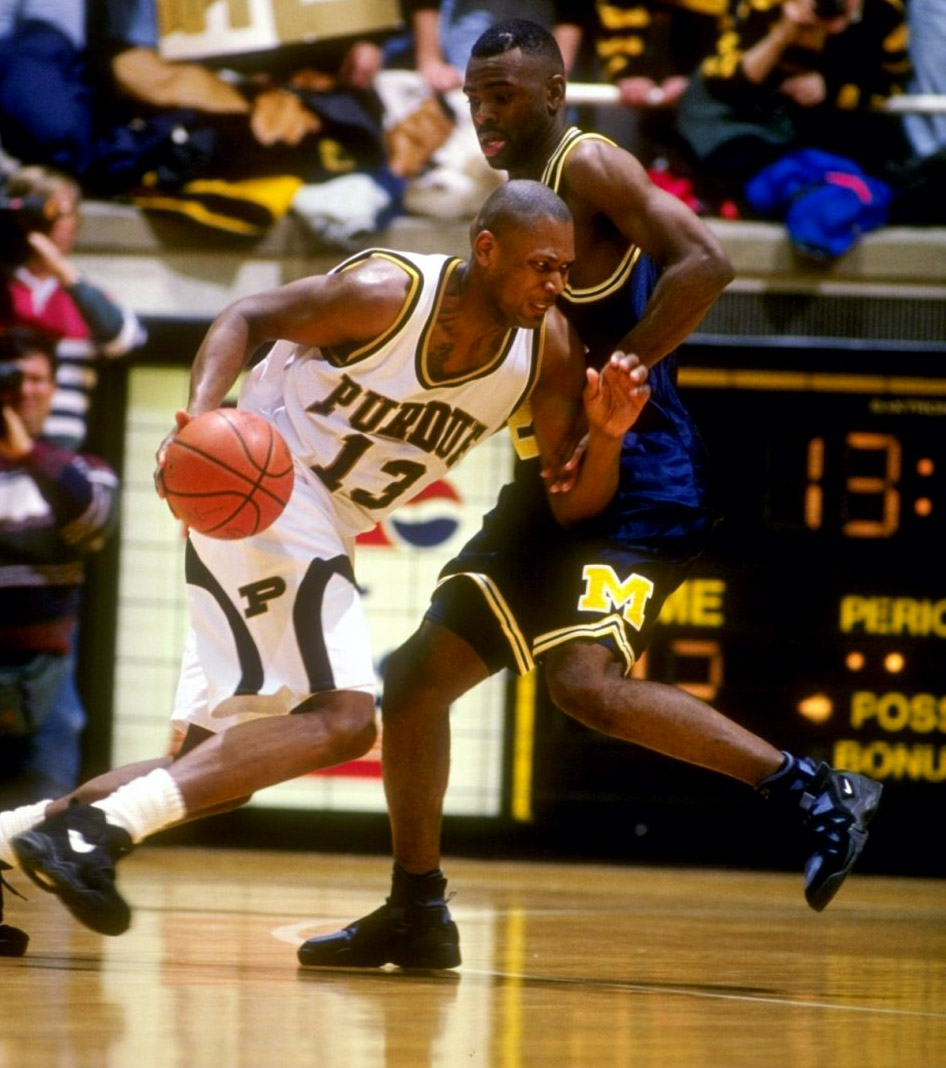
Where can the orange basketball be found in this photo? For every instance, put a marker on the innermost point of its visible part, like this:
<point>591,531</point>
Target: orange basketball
<point>228,474</point>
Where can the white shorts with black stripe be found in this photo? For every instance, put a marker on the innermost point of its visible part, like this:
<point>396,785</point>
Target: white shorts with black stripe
<point>274,618</point>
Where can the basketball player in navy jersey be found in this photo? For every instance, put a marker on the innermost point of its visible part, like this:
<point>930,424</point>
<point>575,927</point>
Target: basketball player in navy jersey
<point>583,601</point>
<point>382,375</point>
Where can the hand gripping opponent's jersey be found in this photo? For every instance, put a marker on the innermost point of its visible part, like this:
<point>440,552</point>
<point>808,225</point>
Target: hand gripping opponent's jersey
<point>375,427</point>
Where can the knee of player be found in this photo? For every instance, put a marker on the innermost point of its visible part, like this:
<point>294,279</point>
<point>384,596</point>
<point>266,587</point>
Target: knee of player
<point>357,731</point>
<point>342,724</point>
<point>411,673</point>
<point>401,671</point>
<point>359,728</point>
<point>575,696</point>
<point>582,693</point>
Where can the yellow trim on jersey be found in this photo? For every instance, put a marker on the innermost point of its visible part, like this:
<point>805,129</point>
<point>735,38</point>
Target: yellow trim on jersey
<point>552,177</point>
<point>611,626</point>
<point>407,308</point>
<point>504,616</point>
<point>519,424</point>
<point>425,379</point>
<point>522,432</point>
<point>621,274</point>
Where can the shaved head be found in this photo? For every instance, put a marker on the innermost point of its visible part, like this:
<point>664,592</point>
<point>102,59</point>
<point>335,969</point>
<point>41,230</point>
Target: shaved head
<point>519,205</point>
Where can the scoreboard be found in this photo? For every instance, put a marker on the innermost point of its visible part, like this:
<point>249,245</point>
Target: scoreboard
<point>817,617</point>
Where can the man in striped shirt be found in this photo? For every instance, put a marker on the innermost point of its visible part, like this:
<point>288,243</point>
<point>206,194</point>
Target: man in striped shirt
<point>56,507</point>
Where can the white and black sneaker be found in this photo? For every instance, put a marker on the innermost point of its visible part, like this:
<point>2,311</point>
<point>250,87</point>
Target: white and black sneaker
<point>73,855</point>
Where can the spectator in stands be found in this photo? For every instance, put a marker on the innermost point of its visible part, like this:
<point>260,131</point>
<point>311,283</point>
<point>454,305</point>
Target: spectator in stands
<point>45,113</point>
<point>927,19</point>
<point>56,507</point>
<point>61,60</point>
<point>129,117</point>
<point>444,32</point>
<point>794,75</point>
<point>43,288</point>
<point>648,49</point>
<point>922,179</point>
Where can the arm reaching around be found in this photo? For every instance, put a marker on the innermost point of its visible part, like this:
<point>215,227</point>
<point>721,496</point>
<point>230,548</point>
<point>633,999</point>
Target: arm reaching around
<point>613,399</point>
<point>580,417</point>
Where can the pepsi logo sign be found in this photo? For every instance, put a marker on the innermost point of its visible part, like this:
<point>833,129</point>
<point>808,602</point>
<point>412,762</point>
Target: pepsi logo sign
<point>424,522</point>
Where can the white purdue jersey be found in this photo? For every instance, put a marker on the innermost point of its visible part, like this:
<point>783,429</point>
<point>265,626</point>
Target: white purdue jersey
<point>373,427</point>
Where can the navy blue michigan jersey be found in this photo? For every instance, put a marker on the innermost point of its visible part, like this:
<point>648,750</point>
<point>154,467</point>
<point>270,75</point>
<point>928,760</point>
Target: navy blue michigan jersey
<point>664,488</point>
<point>530,585</point>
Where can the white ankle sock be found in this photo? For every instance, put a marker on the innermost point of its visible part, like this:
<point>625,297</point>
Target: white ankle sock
<point>15,822</point>
<point>146,805</point>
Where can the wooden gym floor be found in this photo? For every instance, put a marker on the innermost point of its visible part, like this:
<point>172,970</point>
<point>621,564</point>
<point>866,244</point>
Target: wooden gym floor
<point>564,967</point>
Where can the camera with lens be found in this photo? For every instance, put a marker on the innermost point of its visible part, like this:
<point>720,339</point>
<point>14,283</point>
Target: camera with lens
<point>11,384</point>
<point>19,216</point>
<point>827,10</point>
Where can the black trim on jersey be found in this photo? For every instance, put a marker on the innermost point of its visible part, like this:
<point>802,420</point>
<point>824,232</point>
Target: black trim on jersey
<point>420,358</point>
<point>196,573</point>
<point>407,308</point>
<point>307,619</point>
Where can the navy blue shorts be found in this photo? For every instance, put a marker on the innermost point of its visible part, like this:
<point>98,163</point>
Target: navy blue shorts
<point>518,590</point>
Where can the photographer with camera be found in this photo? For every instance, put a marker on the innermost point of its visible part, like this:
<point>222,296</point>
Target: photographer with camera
<point>56,507</point>
<point>39,221</point>
<point>800,74</point>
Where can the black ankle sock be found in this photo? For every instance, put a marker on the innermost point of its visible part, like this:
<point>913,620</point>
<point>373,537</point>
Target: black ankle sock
<point>426,888</point>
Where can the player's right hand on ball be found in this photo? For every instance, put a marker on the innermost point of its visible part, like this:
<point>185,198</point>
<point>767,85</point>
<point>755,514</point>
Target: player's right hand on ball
<point>181,419</point>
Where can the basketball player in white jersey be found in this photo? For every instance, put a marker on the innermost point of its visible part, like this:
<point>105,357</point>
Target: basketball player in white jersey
<point>383,374</point>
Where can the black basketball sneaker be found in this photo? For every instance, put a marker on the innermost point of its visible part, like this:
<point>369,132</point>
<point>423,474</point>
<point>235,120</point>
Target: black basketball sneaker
<point>837,807</point>
<point>73,855</point>
<point>412,929</point>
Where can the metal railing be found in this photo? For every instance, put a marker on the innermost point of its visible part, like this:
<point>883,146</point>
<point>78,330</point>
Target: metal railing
<point>590,93</point>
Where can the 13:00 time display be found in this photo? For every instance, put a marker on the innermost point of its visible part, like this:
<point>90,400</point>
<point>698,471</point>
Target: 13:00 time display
<point>841,478</point>
<point>863,496</point>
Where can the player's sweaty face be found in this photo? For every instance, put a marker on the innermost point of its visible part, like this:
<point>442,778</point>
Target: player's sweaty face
<point>532,270</point>
<point>508,105</point>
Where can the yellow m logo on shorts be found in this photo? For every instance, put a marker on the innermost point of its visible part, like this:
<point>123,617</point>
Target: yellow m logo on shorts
<point>604,591</point>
